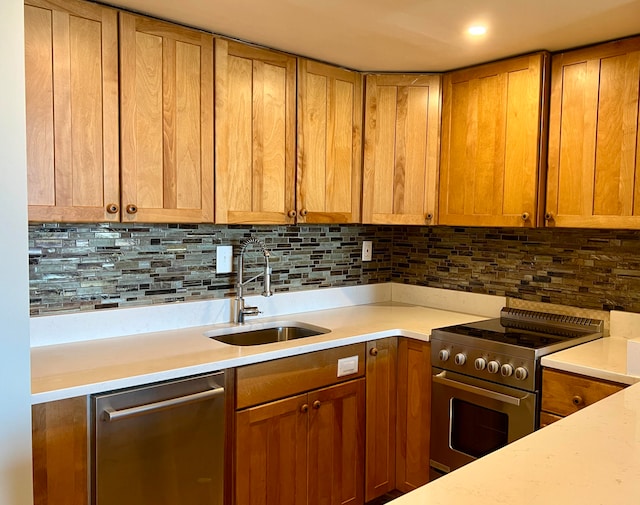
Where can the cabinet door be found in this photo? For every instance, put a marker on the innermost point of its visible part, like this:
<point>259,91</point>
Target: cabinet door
<point>401,142</point>
<point>491,143</point>
<point>271,453</point>
<point>166,96</point>
<point>60,452</point>
<point>329,144</point>
<point>336,444</point>
<point>414,414</point>
<point>594,147</point>
<point>71,65</point>
<point>255,135</point>
<point>380,454</point>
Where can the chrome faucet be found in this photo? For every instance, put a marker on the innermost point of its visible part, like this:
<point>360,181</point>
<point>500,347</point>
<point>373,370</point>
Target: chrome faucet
<point>241,311</point>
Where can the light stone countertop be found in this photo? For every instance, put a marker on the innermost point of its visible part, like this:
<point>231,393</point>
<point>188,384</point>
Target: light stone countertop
<point>588,458</point>
<point>80,368</point>
<point>605,358</point>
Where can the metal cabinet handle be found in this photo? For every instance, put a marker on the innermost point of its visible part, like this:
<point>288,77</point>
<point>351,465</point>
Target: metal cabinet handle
<point>429,216</point>
<point>291,213</point>
<point>110,414</point>
<point>131,209</point>
<point>112,208</point>
<point>548,216</point>
<point>525,216</point>
<point>577,400</point>
<point>304,212</point>
<point>305,408</point>
<point>493,395</point>
<point>373,351</point>
<point>316,404</point>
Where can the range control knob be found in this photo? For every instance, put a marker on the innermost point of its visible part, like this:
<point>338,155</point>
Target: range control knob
<point>506,370</point>
<point>460,359</point>
<point>480,363</point>
<point>443,354</point>
<point>493,366</point>
<point>521,373</point>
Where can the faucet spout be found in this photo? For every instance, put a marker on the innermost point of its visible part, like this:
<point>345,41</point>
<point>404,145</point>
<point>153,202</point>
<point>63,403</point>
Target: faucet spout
<point>240,309</point>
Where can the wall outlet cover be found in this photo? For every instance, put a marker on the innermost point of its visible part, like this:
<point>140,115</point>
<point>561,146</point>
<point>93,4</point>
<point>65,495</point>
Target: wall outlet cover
<point>224,259</point>
<point>367,250</point>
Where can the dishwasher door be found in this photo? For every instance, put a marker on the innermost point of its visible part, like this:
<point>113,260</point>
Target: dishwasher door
<point>161,444</point>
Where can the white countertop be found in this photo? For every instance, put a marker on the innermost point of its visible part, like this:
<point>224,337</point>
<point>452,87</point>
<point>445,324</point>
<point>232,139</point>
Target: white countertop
<point>605,358</point>
<point>79,368</point>
<point>590,457</point>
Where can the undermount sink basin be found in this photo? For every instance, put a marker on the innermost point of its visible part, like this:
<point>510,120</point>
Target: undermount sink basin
<point>265,333</point>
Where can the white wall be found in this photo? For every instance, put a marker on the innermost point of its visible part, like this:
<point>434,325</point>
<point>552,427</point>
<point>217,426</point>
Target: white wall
<point>15,388</point>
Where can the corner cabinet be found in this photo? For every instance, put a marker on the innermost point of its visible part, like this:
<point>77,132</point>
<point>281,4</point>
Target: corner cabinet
<point>594,142</point>
<point>401,142</point>
<point>255,108</point>
<point>329,171</point>
<point>166,97</point>
<point>71,65</point>
<point>493,130</point>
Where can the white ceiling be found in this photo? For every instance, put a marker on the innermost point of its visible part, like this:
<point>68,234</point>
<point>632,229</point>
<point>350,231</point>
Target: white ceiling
<point>404,35</point>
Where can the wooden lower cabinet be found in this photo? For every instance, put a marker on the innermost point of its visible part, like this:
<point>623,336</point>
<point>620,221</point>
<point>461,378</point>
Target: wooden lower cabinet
<point>306,449</point>
<point>414,414</point>
<point>564,393</point>
<point>60,452</point>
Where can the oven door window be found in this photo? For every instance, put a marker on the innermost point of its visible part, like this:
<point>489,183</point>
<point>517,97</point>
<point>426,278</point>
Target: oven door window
<point>476,430</point>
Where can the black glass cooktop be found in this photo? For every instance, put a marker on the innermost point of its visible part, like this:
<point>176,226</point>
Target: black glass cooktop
<point>494,330</point>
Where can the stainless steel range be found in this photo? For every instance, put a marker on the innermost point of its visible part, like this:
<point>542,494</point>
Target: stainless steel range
<point>487,378</point>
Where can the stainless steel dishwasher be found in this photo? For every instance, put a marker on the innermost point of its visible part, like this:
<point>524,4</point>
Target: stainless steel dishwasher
<point>161,444</point>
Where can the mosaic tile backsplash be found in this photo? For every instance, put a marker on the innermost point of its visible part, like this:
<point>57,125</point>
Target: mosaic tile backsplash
<point>88,267</point>
<point>597,269</point>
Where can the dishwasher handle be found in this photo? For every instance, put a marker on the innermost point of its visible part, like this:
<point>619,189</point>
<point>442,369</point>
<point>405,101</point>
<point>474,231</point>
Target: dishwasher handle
<point>110,414</point>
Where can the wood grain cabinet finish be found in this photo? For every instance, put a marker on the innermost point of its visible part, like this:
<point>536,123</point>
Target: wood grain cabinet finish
<point>255,108</point>
<point>414,414</point>
<point>381,399</point>
<point>166,97</point>
<point>329,169</point>
<point>305,449</point>
<point>60,452</point>
<point>492,143</point>
<point>564,393</point>
<point>71,65</point>
<point>594,143</point>
<point>401,145</point>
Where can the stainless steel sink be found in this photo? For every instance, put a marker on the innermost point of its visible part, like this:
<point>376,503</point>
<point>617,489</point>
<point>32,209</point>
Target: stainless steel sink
<point>265,333</point>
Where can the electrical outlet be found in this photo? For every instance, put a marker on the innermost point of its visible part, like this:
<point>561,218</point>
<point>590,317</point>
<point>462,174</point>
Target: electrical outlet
<point>224,259</point>
<point>367,250</point>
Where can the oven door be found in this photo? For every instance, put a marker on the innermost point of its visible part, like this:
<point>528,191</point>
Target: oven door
<point>472,417</point>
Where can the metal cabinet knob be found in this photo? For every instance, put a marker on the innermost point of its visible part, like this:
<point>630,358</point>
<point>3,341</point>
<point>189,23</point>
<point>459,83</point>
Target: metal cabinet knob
<point>304,212</point>
<point>112,208</point>
<point>316,404</point>
<point>304,409</point>
<point>577,400</point>
<point>548,216</point>
<point>525,216</point>
<point>373,351</point>
<point>291,213</point>
<point>429,216</point>
<point>132,209</point>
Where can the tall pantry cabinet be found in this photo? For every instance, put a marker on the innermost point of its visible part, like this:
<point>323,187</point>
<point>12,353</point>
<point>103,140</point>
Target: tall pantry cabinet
<point>594,142</point>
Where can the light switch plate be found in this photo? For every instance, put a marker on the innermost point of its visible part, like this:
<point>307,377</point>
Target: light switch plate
<point>224,259</point>
<point>367,250</point>
<point>347,366</point>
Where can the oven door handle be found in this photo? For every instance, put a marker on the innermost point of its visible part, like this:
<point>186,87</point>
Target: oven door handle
<point>441,378</point>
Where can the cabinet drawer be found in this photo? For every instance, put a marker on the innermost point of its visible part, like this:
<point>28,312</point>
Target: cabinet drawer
<point>268,381</point>
<point>565,393</point>
<point>546,419</point>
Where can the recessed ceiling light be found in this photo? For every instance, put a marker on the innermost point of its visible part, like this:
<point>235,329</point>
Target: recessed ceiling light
<point>477,30</point>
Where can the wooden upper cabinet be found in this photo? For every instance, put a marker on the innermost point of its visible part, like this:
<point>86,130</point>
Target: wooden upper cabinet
<point>166,96</point>
<point>594,146</point>
<point>329,144</point>
<point>492,139</point>
<point>71,60</point>
<point>401,142</point>
<point>255,109</point>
